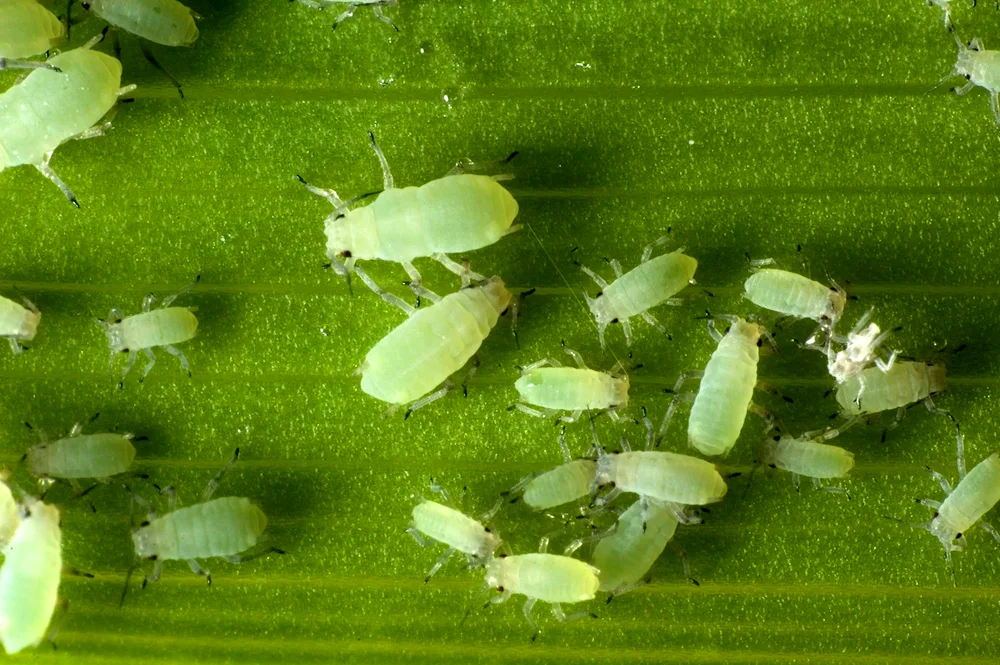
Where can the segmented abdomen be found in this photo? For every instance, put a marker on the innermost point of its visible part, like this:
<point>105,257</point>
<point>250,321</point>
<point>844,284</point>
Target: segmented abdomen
<point>220,527</point>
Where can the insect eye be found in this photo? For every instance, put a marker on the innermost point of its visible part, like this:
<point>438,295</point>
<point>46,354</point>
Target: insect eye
<point>152,558</point>
<point>936,514</point>
<point>772,466</point>
<point>760,342</point>
<point>503,556</point>
<point>599,294</point>
<point>85,5</point>
<point>123,351</point>
<point>958,535</point>
<point>777,437</point>
<point>145,523</point>
<point>487,529</point>
<point>499,588</point>
<point>614,320</point>
<point>346,254</point>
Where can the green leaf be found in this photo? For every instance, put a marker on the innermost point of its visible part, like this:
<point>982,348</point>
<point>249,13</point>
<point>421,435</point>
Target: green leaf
<point>745,127</point>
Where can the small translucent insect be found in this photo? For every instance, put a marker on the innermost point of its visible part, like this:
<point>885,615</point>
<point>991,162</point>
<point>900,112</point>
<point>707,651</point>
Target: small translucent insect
<point>653,282</point>
<point>30,575</point>
<point>808,455</point>
<point>101,456</point>
<point>165,22</point>
<point>10,518</point>
<point>980,68</point>
<point>567,482</point>
<point>49,107</point>
<point>552,578</point>
<point>727,383</point>
<point>905,383</point>
<point>669,478</point>
<point>27,29</point>
<point>964,506</point>
<point>18,323</point>
<point>795,295</point>
<point>458,213</point>
<point>213,528</point>
<point>432,344</point>
<point>351,5</point>
<point>554,388</point>
<point>164,326</point>
<point>455,529</point>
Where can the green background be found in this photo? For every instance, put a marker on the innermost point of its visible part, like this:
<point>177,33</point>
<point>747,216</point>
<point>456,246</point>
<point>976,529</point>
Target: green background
<point>747,127</point>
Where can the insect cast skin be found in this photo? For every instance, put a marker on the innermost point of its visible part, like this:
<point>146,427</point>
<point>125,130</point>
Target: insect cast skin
<point>458,213</point>
<point>375,5</point>
<point>905,383</point>
<point>27,29</point>
<point>51,107</point>
<point>653,282</point>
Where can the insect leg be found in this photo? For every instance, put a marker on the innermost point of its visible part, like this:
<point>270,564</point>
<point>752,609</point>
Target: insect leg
<point>627,329</point>
<point>795,481</point>
<point>171,298</point>
<point>198,570</point>
<point>15,345</point>
<point>682,555</point>
<point>237,558</point>
<point>171,495</point>
<point>151,357</point>
<point>659,242</point>
<point>387,181</point>
<point>377,10</point>
<point>132,356</point>
<point>47,171</point>
<point>988,528</point>
<point>942,481</point>
<point>593,275</point>
<point>528,606</point>
<point>328,194</point>
<point>213,484</point>
<point>472,372</point>
<point>573,417</point>
<point>25,64</point>
<point>155,577</point>
<point>758,263</point>
<point>929,503</point>
<point>965,89</point>
<point>826,488</point>
<point>346,14</point>
<point>524,408</point>
<point>544,362</point>
<point>440,562</point>
<point>651,320</point>
<point>574,355</point>
<point>995,106</point>
<point>558,613</point>
<point>148,302</point>
<point>58,619</point>
<point>929,403</point>
<point>433,397</point>
<point>148,54</point>
<point>387,297</point>
<point>960,452</point>
<point>460,269</point>
<point>177,353</point>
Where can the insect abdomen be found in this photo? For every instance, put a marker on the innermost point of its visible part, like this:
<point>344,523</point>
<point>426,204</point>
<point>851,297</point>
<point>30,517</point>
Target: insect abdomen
<point>649,284</point>
<point>16,321</point>
<point>449,526</point>
<point>86,456</point>
<point>220,527</point>
<point>566,388</point>
<point>974,496</point>
<point>669,477</point>
<point>905,383</point>
<point>720,407</point>
<point>560,485</point>
<point>813,460</point>
<point>627,554</point>
<point>788,293</point>
<point>159,327</point>
<point>550,577</point>
<point>166,22</point>
<point>28,29</point>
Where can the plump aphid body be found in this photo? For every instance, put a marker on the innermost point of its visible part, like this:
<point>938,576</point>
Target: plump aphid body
<point>555,487</point>
<point>220,527</point>
<point>653,282</point>
<point>662,476</point>
<point>807,458</point>
<point>10,518</point>
<point>18,323</point>
<point>795,295</point>
<point>626,556</point>
<point>166,22</point>
<point>554,388</point>
<point>455,529</point>
<point>720,407</point>
<point>51,107</point>
<point>980,68</point>
<point>29,577</point>
<point>433,343</point>
<point>903,384</point>
<point>27,29</point>
<point>458,213</point>
<point>161,327</point>
<point>83,456</point>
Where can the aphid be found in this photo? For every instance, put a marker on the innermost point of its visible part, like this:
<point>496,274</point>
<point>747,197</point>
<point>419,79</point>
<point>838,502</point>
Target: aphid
<point>10,518</point>
<point>432,344</point>
<point>30,575</point>
<point>455,529</point>
<point>552,578</point>
<point>164,326</point>
<point>905,383</point>
<point>101,456</point>
<point>653,282</point>
<point>49,107</point>
<point>727,383</point>
<point>795,295</point>
<point>27,29</point>
<point>980,68</point>
<point>669,478</point>
<point>860,350</point>
<point>213,528</point>
<point>376,7</point>
<point>18,323</point>
<point>567,482</point>
<point>458,213</point>
<point>626,554</point>
<point>808,455</point>
<point>554,388</point>
<point>964,506</point>
<point>165,22</point>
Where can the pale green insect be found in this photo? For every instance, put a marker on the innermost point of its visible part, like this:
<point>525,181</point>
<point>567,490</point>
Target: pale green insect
<point>455,529</point>
<point>795,295</point>
<point>651,283</point>
<point>458,213</point>
<point>635,543</point>
<point>27,29</point>
<point>30,576</point>
<point>552,578</point>
<point>18,323</point>
<point>164,327</point>
<point>567,482</point>
<point>807,455</point>
<point>10,518</point>
<point>980,68</point>
<point>101,456</point>
<point>351,5</point>
<point>727,383</point>
<point>964,506</point>
<point>165,22</point>
<point>554,388</point>
<point>432,344</point>
<point>49,107</point>
<point>905,383</point>
<point>213,528</point>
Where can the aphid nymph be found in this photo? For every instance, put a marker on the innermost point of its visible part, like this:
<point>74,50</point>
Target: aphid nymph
<point>980,68</point>
<point>27,29</point>
<point>18,323</point>
<point>568,482</point>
